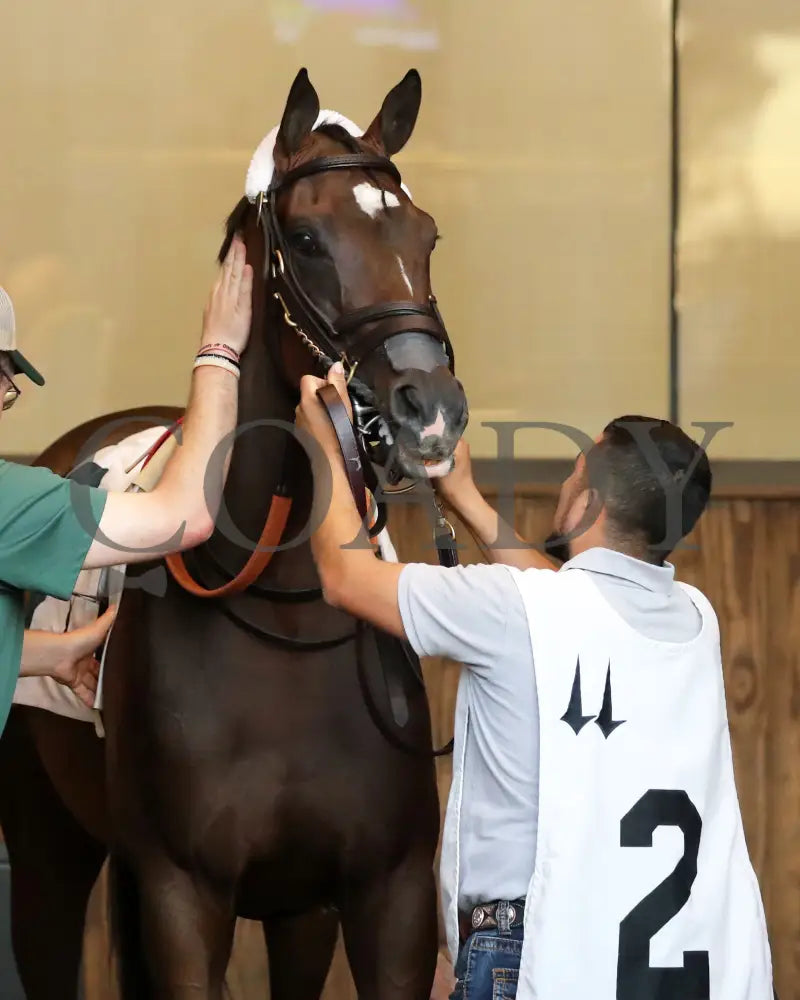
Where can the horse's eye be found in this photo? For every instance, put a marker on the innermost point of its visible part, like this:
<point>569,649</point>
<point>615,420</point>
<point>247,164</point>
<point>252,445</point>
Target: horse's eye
<point>303,242</point>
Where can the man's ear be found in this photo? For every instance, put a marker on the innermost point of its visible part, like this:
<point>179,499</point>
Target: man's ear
<point>584,511</point>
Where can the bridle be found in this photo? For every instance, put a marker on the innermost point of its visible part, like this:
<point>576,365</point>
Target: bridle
<point>352,338</point>
<point>355,334</point>
<point>347,339</point>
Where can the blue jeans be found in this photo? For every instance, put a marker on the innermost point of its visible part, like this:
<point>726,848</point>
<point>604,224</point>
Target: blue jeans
<point>488,966</point>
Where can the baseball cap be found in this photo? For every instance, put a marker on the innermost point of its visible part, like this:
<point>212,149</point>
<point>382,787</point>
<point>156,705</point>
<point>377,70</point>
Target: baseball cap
<point>8,340</point>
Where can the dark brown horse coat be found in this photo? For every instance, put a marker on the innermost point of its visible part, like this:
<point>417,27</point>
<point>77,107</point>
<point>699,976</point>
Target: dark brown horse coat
<point>242,773</point>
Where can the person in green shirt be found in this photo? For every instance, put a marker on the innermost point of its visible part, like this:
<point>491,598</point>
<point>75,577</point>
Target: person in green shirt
<point>52,528</point>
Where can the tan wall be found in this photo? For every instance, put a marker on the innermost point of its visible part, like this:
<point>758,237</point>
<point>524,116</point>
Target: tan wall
<point>542,149</point>
<point>740,224</point>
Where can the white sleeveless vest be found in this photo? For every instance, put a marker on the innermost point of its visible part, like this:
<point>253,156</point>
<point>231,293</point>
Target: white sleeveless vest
<point>642,887</point>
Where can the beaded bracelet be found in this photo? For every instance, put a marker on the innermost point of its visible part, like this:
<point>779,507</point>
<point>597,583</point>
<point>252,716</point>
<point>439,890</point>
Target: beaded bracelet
<point>217,361</point>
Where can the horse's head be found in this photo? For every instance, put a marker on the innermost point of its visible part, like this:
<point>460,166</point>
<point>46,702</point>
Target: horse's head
<point>346,258</point>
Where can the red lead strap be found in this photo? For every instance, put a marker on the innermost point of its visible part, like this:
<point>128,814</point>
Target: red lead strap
<point>260,558</point>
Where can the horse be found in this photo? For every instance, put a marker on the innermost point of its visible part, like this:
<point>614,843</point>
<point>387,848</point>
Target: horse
<point>243,771</point>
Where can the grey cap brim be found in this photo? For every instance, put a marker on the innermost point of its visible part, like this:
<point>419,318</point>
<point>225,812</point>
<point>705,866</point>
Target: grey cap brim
<point>24,367</point>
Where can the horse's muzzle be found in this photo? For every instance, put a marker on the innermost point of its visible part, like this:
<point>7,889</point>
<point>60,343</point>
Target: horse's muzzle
<point>428,410</point>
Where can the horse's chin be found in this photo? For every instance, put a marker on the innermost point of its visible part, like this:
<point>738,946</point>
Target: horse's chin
<point>404,464</point>
<point>400,459</point>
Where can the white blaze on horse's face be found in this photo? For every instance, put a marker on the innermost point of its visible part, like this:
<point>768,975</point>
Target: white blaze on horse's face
<point>405,276</point>
<point>373,200</point>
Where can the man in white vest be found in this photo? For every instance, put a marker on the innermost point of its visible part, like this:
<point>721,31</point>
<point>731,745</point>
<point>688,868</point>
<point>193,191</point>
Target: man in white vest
<point>593,847</point>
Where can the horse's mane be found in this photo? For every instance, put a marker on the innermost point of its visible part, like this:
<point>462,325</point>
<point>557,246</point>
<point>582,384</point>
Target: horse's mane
<point>235,221</point>
<point>233,224</point>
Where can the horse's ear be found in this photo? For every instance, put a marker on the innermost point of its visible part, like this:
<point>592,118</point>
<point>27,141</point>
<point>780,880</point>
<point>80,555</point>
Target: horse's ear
<point>395,122</point>
<point>299,118</point>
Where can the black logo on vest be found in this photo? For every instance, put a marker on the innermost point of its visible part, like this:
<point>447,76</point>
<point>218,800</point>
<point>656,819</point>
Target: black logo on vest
<point>574,716</point>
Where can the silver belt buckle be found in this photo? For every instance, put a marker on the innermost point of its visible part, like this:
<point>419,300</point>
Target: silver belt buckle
<point>478,916</point>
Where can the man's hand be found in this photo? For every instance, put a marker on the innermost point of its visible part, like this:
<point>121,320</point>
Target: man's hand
<point>226,318</point>
<point>458,485</point>
<point>311,415</point>
<point>79,670</point>
<point>445,981</point>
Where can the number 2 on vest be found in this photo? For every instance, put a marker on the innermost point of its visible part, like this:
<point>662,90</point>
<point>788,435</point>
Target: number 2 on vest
<point>636,979</point>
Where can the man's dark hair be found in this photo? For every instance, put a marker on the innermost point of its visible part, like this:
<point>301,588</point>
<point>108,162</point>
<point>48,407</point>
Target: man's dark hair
<point>654,482</point>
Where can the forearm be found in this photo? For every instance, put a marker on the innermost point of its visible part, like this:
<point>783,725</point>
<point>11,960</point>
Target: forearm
<point>496,537</point>
<point>352,578</point>
<point>42,652</point>
<point>193,480</point>
<point>180,511</point>
<point>340,544</point>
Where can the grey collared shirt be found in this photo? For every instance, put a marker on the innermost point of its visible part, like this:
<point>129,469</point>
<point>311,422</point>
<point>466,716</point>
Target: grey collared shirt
<point>474,614</point>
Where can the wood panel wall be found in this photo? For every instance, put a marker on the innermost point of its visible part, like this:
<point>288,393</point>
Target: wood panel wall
<point>745,556</point>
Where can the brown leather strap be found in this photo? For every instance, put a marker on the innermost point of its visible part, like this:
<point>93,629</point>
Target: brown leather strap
<point>343,427</point>
<point>259,560</point>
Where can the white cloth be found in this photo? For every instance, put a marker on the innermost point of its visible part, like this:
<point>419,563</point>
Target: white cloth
<point>52,615</point>
<point>262,165</point>
<point>668,761</point>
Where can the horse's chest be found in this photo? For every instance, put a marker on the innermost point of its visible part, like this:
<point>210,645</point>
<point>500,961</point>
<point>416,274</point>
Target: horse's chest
<point>258,764</point>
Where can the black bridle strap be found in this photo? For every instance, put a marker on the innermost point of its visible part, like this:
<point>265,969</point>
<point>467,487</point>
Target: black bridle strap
<point>385,310</point>
<point>346,161</point>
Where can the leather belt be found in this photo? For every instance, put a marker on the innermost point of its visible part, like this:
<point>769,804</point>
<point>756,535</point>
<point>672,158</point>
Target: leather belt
<point>483,917</point>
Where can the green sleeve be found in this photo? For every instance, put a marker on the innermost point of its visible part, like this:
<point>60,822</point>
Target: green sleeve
<point>46,527</point>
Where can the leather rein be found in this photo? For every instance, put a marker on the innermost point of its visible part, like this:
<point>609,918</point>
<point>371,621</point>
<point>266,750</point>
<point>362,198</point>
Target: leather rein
<point>351,338</point>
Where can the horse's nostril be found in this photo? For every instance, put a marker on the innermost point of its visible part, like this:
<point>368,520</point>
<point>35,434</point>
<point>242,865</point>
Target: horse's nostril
<point>406,402</point>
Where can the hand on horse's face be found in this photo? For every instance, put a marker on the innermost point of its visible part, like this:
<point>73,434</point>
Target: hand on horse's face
<point>310,415</point>
<point>226,319</point>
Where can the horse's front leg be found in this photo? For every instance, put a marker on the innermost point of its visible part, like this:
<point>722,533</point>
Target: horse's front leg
<point>300,953</point>
<point>391,933</point>
<point>186,932</point>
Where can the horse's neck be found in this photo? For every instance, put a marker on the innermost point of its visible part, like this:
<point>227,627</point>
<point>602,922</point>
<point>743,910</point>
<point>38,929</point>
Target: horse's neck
<point>259,463</point>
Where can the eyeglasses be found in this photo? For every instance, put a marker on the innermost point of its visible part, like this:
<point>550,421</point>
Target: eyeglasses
<point>11,394</point>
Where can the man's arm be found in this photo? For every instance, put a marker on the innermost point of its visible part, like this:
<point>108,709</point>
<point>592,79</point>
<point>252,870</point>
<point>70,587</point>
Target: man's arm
<point>462,613</point>
<point>496,537</point>
<point>352,578</point>
<point>181,510</point>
